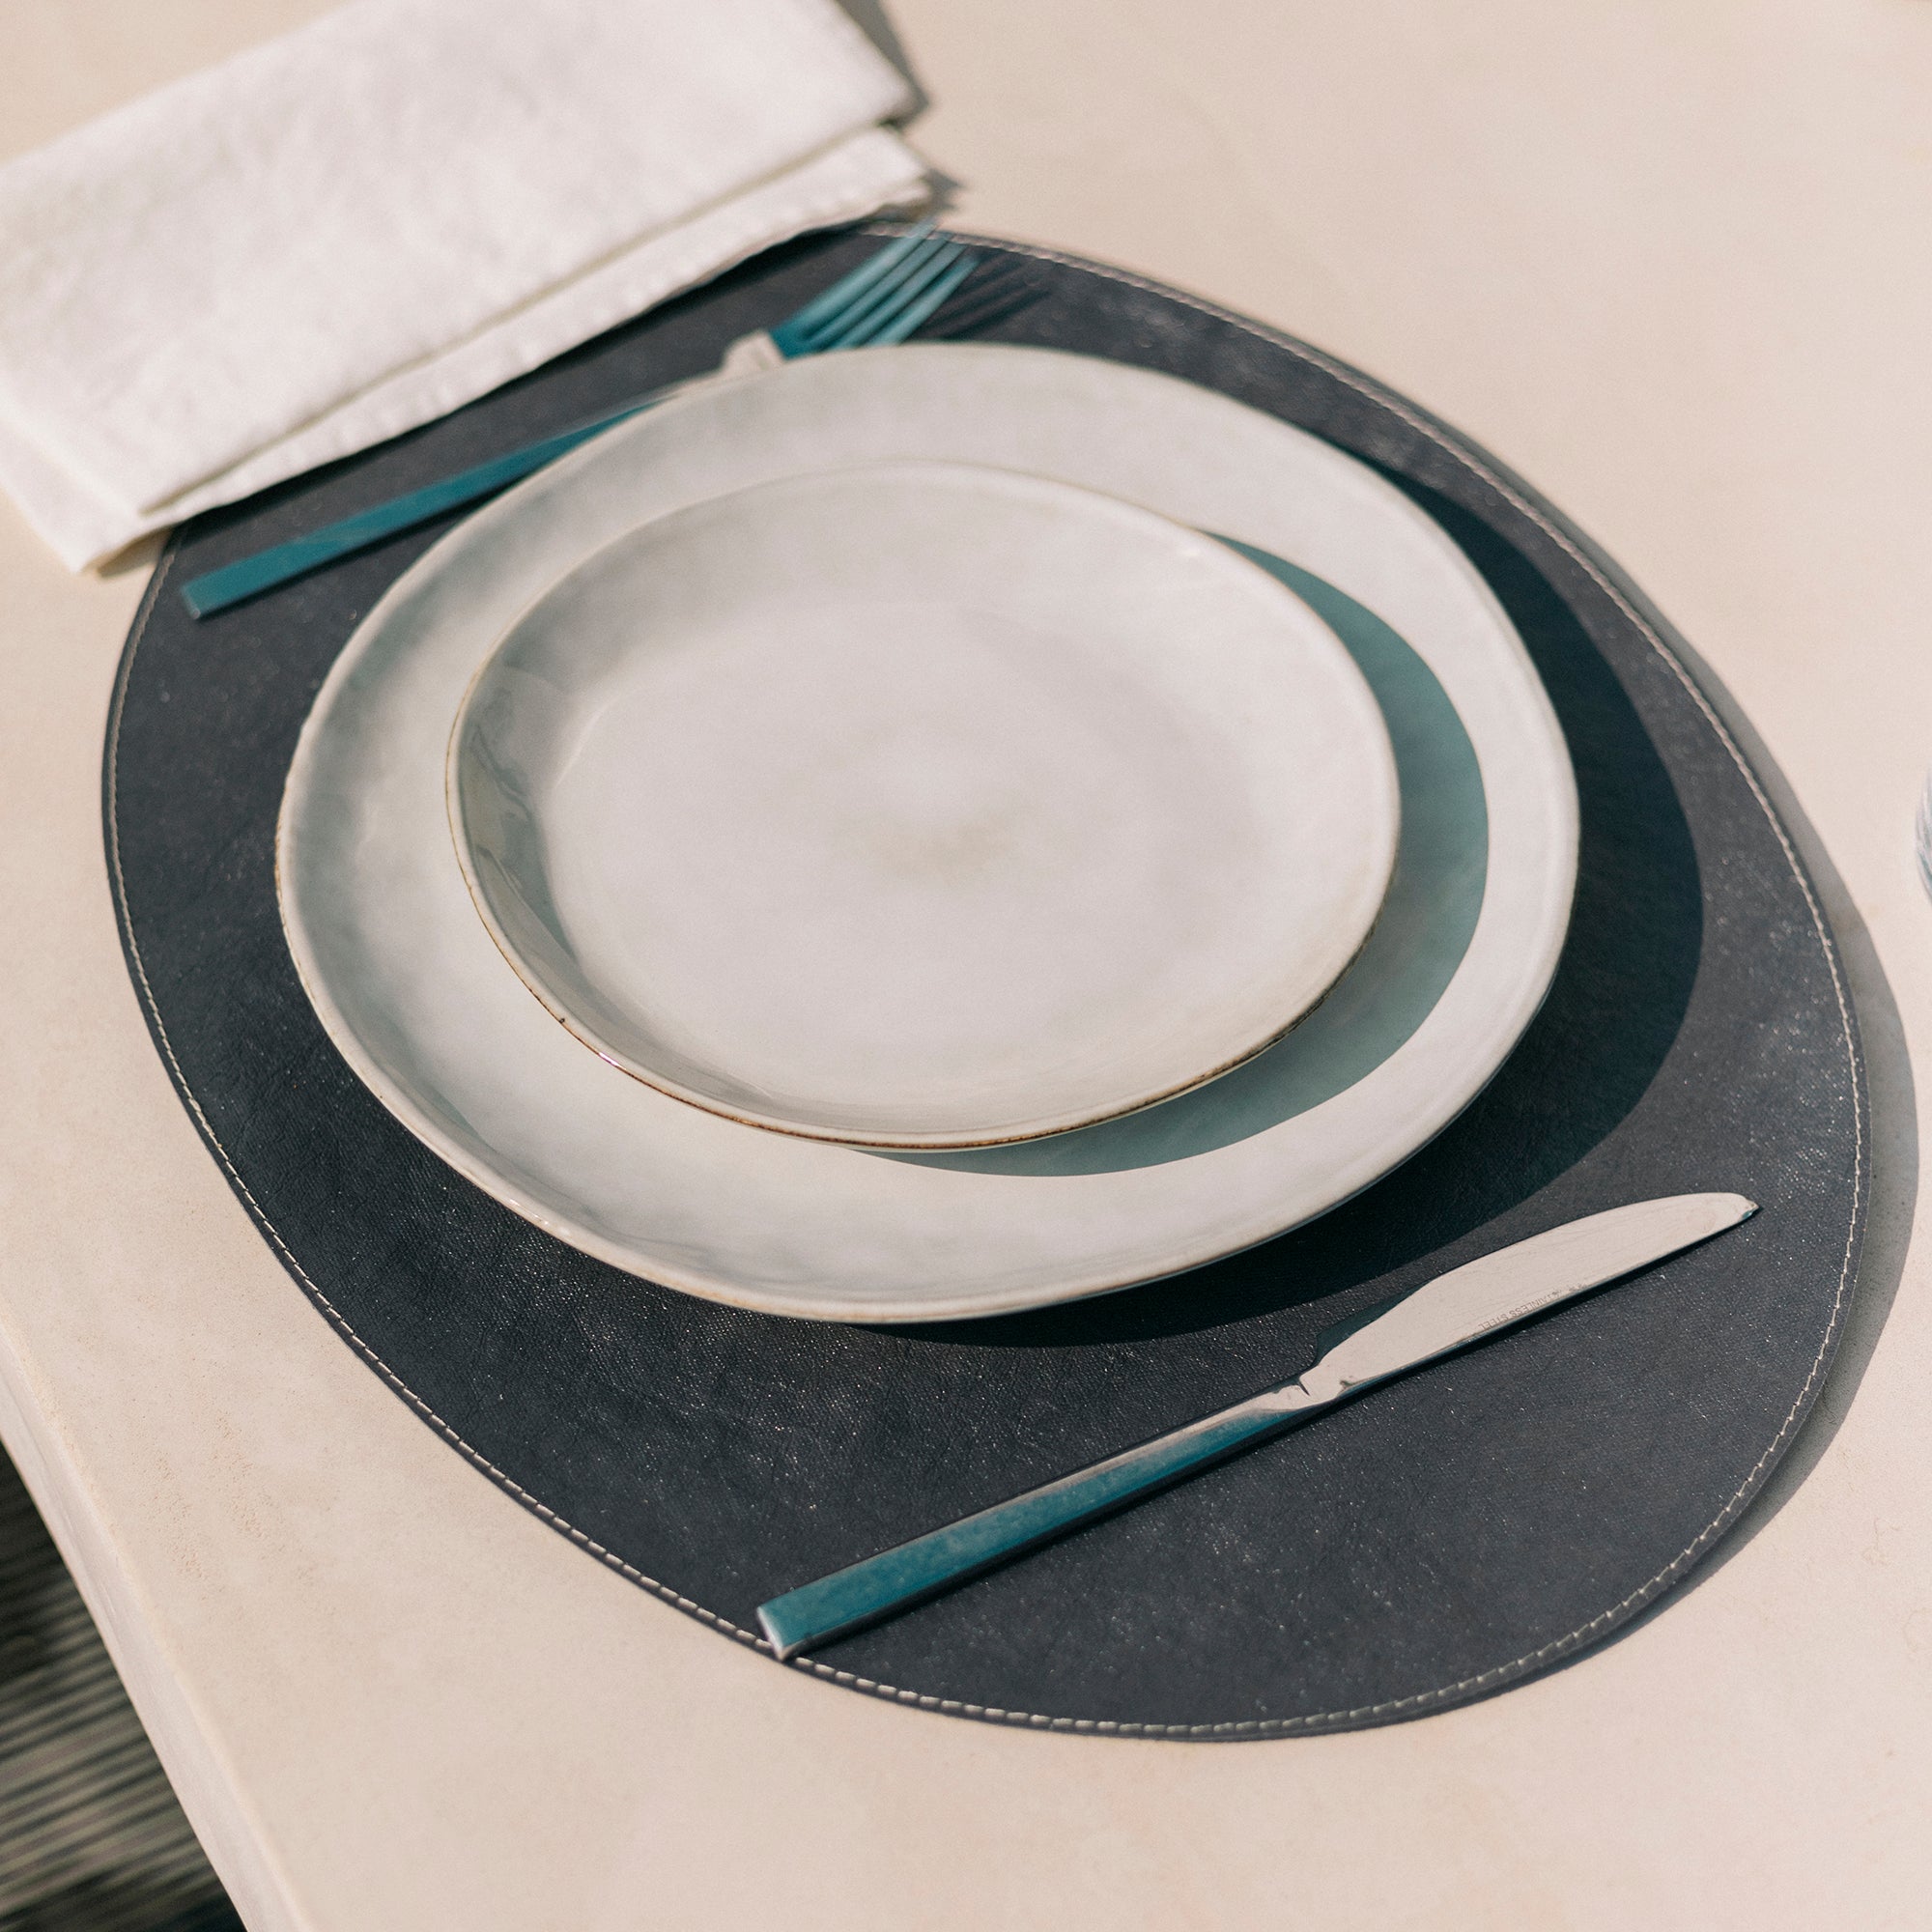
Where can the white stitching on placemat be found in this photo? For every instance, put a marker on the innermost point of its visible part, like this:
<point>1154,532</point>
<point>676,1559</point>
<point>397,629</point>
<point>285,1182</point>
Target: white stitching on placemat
<point>1495,1677</point>
<point>240,1186</point>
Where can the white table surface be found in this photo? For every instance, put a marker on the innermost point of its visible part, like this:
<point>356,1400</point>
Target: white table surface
<point>1671,260</point>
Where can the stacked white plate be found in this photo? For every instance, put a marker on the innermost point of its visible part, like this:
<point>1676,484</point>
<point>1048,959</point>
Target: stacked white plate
<point>929,831</point>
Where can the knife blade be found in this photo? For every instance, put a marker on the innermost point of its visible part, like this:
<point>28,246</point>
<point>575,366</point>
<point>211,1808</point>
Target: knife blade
<point>1464,1306</point>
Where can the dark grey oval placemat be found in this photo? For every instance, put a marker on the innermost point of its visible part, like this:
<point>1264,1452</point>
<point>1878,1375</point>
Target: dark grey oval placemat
<point>1437,1540</point>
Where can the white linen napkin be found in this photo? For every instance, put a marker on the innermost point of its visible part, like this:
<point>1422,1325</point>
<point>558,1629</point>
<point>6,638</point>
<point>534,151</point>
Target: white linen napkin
<point>358,227</point>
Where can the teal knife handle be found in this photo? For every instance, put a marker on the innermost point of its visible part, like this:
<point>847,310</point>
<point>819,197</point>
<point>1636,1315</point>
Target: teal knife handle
<point>899,1577</point>
<point>217,589</point>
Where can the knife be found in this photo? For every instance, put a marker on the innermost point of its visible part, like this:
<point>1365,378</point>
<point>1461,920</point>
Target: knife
<point>1479,1298</point>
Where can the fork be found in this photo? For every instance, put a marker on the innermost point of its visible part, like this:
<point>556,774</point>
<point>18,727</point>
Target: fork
<point>882,300</point>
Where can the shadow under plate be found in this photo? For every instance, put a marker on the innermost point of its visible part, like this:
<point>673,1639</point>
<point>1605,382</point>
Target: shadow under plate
<point>1424,930</point>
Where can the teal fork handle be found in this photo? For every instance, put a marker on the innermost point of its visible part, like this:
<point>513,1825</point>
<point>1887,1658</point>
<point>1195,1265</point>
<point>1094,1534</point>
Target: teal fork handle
<point>896,1579</point>
<point>216,589</point>
<point>882,302</point>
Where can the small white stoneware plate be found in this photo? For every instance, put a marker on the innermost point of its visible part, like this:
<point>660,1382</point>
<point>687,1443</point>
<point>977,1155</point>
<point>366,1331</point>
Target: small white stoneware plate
<point>428,1012</point>
<point>920,805</point>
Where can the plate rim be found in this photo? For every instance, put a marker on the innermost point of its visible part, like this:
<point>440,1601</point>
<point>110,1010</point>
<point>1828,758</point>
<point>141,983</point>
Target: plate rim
<point>1492,1036</point>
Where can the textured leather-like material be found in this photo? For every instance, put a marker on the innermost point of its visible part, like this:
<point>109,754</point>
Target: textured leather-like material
<point>1439,1537</point>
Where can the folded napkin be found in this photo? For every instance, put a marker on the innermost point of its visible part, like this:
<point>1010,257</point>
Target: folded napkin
<point>363,225</point>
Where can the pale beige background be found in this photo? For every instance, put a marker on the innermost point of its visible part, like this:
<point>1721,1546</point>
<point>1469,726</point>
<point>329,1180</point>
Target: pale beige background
<point>1672,260</point>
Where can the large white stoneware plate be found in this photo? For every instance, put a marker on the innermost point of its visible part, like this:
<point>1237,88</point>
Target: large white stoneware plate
<point>426,1009</point>
<point>924,805</point>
